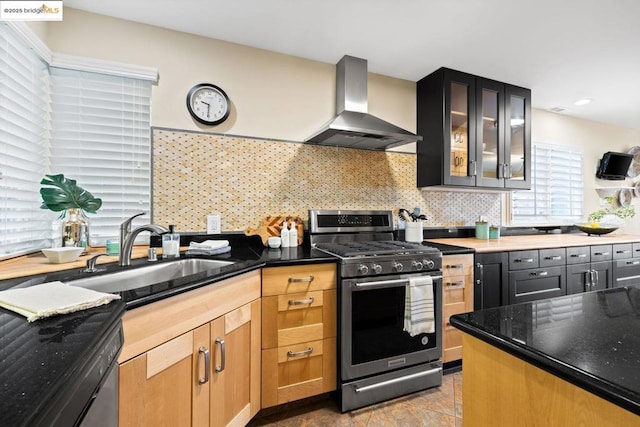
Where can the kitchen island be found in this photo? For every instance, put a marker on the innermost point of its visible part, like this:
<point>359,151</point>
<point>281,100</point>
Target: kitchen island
<point>565,361</point>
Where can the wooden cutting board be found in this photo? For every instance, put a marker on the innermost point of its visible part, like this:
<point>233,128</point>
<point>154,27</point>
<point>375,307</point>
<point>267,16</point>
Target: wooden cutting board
<point>272,225</point>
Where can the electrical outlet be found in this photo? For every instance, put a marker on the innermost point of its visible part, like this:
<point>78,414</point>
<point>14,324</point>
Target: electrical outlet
<point>213,224</point>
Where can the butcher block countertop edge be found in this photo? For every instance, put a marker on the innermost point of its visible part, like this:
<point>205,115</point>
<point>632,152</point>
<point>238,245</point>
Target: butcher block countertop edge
<point>538,241</point>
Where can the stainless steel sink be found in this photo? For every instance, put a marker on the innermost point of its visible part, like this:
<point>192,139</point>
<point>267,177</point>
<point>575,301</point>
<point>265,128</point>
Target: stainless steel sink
<point>135,278</point>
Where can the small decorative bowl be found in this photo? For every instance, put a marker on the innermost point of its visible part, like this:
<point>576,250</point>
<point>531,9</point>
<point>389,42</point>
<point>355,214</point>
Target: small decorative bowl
<point>599,229</point>
<point>274,242</point>
<point>62,255</point>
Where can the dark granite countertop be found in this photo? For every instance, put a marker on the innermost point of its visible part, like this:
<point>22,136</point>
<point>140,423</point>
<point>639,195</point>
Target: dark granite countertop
<point>591,340</point>
<point>40,359</point>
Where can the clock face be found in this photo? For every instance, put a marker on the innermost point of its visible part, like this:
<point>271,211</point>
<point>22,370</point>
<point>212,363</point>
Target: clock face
<point>208,104</point>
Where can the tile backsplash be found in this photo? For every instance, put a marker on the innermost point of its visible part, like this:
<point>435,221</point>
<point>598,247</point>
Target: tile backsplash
<point>244,179</point>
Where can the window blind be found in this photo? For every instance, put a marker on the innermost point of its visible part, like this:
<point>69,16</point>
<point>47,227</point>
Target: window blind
<point>101,138</point>
<point>557,188</point>
<point>24,145</point>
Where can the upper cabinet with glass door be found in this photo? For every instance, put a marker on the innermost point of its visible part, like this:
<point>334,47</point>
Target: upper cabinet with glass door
<point>476,132</point>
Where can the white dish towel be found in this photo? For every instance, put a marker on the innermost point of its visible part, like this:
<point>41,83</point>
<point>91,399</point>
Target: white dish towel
<point>209,247</point>
<point>418,306</point>
<point>51,298</point>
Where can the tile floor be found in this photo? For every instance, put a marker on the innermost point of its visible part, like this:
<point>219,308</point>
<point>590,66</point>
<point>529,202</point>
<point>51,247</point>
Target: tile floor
<point>441,406</point>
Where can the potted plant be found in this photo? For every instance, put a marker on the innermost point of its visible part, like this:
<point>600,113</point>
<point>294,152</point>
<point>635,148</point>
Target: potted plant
<point>60,194</point>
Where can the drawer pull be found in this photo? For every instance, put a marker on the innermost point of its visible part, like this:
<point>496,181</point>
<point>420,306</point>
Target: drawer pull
<point>578,255</point>
<point>459,284</point>
<point>223,356</point>
<point>523,260</point>
<point>601,253</point>
<point>633,262</point>
<point>300,353</point>
<point>455,266</point>
<point>553,258</point>
<point>207,364</point>
<point>301,279</point>
<point>301,301</point>
<point>539,273</point>
<point>623,252</point>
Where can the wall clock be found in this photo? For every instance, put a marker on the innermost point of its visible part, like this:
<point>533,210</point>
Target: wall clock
<point>208,104</point>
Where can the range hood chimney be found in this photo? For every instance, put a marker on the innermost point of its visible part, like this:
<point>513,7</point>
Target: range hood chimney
<point>353,126</point>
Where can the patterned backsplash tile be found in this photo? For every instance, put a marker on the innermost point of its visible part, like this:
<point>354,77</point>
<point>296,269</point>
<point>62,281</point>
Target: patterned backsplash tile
<point>244,179</point>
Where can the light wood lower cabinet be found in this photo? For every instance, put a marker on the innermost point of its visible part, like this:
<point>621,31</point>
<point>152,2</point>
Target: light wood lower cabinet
<point>298,332</point>
<point>457,289</point>
<point>209,375</point>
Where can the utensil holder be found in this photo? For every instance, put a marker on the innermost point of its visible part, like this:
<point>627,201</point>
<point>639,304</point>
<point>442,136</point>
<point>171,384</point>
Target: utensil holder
<point>413,232</point>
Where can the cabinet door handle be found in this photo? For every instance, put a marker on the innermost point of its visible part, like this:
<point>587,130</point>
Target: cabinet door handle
<point>539,273</point>
<point>207,364</point>
<point>523,260</point>
<point>588,278</point>
<point>578,255</point>
<point>553,258</point>
<point>459,284</point>
<point>301,279</point>
<point>473,168</point>
<point>455,266</point>
<point>301,301</point>
<point>300,353</point>
<point>601,253</point>
<point>633,262</point>
<point>595,274</point>
<point>223,355</point>
<point>507,171</point>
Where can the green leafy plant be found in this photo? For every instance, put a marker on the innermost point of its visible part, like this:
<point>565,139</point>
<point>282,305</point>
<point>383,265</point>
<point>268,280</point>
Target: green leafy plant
<point>60,193</point>
<point>611,209</point>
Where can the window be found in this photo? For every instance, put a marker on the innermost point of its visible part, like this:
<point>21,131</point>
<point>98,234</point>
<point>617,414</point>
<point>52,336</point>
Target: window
<point>557,188</point>
<point>85,118</point>
<point>101,138</point>
<point>24,106</point>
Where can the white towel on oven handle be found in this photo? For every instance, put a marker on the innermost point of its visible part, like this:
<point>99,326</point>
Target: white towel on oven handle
<point>419,315</point>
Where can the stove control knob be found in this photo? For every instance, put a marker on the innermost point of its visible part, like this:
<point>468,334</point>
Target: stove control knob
<point>363,269</point>
<point>377,268</point>
<point>397,266</point>
<point>429,263</point>
<point>417,265</point>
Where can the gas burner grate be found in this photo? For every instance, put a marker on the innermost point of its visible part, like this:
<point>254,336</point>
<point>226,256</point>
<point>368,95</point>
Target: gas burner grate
<point>374,248</point>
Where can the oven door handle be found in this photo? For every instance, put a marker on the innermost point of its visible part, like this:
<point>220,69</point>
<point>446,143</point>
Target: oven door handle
<point>388,282</point>
<point>397,380</point>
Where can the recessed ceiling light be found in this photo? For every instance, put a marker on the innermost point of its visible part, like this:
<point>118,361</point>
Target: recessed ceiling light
<point>583,101</point>
<point>558,109</point>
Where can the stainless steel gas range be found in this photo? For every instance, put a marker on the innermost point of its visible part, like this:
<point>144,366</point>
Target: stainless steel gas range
<point>378,358</point>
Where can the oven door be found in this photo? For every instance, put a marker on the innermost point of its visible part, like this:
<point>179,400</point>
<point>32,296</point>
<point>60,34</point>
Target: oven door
<point>372,339</point>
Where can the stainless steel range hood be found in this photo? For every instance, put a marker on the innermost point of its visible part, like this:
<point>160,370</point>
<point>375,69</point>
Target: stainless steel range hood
<point>353,126</point>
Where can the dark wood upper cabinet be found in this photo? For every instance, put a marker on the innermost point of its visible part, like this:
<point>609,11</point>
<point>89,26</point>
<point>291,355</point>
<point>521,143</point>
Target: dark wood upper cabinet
<point>476,132</point>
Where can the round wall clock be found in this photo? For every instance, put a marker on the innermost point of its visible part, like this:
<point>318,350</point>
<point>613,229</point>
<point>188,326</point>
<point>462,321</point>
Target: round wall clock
<point>208,104</point>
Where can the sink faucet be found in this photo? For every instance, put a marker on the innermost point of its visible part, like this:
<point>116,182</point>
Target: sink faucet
<point>128,236</point>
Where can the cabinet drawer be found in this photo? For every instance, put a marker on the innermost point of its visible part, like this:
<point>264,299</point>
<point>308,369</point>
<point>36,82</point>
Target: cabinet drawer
<point>451,345</point>
<point>298,371</point>
<point>601,253</point>
<point>457,265</point>
<point>298,278</point>
<point>535,284</point>
<point>456,289</point>
<point>578,255</point>
<point>636,250</point>
<point>293,318</point>
<point>622,250</point>
<point>626,272</point>
<point>552,257</point>
<point>522,260</point>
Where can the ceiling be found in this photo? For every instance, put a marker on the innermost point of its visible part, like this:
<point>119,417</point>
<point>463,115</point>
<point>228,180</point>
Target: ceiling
<point>564,50</point>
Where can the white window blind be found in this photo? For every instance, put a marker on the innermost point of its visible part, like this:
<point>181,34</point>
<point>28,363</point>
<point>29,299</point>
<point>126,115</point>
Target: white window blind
<point>24,114</point>
<point>557,188</point>
<point>101,138</point>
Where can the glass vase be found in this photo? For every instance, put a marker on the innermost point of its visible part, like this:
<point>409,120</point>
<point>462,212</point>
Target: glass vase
<point>75,229</point>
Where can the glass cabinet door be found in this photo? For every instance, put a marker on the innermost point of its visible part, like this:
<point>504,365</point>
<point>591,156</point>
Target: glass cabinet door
<point>490,122</point>
<point>459,129</point>
<point>518,138</point>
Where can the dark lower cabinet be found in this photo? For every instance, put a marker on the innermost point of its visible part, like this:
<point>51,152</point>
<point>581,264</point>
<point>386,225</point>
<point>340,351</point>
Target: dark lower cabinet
<point>593,276</point>
<point>626,272</point>
<point>490,278</point>
<point>537,283</point>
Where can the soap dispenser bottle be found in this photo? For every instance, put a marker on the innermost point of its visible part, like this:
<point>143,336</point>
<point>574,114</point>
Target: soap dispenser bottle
<point>284,235</point>
<point>293,235</point>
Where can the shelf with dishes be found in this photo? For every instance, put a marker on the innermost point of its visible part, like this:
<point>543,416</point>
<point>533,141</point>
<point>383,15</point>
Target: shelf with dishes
<point>623,194</point>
